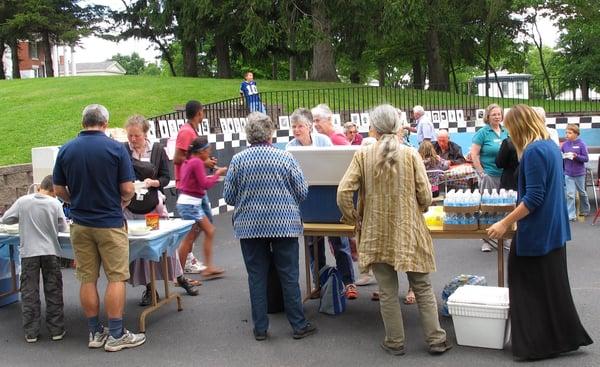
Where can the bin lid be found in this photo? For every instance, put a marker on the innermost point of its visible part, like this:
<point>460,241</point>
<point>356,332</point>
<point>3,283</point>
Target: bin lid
<point>479,294</point>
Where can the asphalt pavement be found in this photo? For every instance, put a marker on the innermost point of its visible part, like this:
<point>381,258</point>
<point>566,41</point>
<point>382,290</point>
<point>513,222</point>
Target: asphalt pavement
<point>215,329</point>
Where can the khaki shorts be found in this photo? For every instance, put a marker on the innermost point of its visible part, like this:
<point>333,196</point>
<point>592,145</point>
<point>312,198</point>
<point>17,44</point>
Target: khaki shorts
<point>95,246</point>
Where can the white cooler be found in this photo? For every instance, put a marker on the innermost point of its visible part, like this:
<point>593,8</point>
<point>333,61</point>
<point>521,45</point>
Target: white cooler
<point>480,315</point>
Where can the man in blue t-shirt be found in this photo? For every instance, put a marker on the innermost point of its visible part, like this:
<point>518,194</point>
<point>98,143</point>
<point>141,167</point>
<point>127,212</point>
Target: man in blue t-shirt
<point>94,174</point>
<point>249,92</point>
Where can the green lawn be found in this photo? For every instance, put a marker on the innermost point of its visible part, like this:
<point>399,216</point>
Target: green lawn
<point>43,112</point>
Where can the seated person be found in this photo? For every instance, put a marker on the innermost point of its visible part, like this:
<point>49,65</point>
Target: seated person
<point>447,149</point>
<point>433,162</point>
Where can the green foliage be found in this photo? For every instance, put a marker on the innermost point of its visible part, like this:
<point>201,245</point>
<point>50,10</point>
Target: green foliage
<point>133,65</point>
<point>152,70</point>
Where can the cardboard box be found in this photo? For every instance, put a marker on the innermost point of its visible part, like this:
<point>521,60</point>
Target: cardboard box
<point>460,227</point>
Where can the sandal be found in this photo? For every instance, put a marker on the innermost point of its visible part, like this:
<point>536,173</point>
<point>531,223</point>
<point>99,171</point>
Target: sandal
<point>410,298</point>
<point>194,282</point>
<point>213,273</point>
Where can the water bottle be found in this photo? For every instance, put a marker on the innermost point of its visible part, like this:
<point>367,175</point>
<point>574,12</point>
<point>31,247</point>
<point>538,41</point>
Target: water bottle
<point>485,198</point>
<point>504,199</point>
<point>494,198</point>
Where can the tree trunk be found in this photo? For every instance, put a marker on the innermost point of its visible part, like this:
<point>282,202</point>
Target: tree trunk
<point>166,54</point>
<point>437,80</point>
<point>2,49</point>
<point>293,67</point>
<point>222,53</point>
<point>14,51</point>
<point>355,77</point>
<point>190,57</point>
<point>417,73</point>
<point>453,71</point>
<point>48,55</point>
<point>292,45</point>
<point>323,62</point>
<point>488,55</point>
<point>585,90</point>
<point>381,72</point>
<point>273,67</point>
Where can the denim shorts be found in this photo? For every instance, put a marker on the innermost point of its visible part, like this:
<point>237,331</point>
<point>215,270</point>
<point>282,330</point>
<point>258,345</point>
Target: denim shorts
<point>190,212</point>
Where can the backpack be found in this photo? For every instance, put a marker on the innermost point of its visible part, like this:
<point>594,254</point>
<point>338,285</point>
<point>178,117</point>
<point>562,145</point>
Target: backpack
<point>333,299</point>
<point>146,203</point>
<point>455,283</point>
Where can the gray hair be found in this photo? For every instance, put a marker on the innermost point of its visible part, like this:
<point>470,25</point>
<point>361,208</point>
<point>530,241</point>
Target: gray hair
<point>385,120</point>
<point>443,132</point>
<point>322,110</point>
<point>302,115</point>
<point>540,111</point>
<point>488,112</point>
<point>348,125</point>
<point>419,109</point>
<point>259,128</point>
<point>94,115</point>
<point>138,120</point>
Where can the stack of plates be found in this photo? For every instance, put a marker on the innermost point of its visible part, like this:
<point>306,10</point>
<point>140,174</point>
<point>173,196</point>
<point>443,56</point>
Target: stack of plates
<point>139,230</point>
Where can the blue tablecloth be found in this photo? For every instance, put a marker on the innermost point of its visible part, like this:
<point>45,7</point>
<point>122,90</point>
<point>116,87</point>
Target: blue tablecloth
<point>149,247</point>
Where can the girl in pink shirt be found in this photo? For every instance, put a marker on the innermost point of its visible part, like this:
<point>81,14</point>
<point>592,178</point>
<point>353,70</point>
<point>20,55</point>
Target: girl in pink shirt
<point>193,185</point>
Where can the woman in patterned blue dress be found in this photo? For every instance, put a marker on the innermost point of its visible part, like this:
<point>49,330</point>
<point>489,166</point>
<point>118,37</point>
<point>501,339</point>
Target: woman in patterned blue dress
<point>266,186</point>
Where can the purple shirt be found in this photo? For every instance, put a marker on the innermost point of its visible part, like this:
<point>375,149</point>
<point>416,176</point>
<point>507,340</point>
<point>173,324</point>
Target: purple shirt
<point>575,167</point>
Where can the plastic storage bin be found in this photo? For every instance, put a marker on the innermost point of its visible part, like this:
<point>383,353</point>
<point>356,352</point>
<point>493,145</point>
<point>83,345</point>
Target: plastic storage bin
<point>480,315</point>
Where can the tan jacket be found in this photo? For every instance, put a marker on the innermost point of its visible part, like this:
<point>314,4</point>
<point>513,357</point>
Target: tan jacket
<point>393,229</point>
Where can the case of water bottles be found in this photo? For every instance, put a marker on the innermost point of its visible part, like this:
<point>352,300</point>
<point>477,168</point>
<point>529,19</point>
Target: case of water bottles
<point>495,206</point>
<point>461,210</point>
<point>471,210</point>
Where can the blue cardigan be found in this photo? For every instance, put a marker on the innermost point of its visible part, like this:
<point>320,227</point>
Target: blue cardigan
<point>541,189</point>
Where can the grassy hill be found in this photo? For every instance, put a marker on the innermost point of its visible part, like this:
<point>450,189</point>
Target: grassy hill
<point>43,112</point>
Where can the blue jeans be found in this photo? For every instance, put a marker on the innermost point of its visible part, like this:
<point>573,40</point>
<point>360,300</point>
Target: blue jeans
<point>574,185</point>
<point>206,207</point>
<point>256,253</point>
<point>341,251</point>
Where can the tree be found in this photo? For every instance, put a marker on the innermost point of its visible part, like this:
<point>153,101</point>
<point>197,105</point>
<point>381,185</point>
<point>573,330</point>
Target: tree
<point>133,65</point>
<point>147,19</point>
<point>54,21</point>
<point>578,58</point>
<point>323,60</point>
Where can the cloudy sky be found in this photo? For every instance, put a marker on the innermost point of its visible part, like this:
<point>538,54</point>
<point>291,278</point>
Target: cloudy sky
<point>94,49</point>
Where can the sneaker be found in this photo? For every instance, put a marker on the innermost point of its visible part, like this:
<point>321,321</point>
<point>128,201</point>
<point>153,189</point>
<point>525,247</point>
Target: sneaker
<point>309,329</point>
<point>147,298</point>
<point>486,247</point>
<point>127,340</point>
<point>98,339</point>
<point>58,337</point>
<point>440,348</point>
<point>365,280</point>
<point>351,291</point>
<point>399,351</point>
<point>185,284</point>
<point>31,339</point>
<point>260,335</point>
<point>192,265</point>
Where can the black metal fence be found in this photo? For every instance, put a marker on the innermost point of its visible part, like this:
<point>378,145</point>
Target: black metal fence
<point>466,97</point>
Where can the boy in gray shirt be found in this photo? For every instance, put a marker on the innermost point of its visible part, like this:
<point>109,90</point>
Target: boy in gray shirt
<point>40,217</point>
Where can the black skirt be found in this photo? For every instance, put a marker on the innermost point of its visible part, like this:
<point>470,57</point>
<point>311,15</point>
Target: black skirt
<point>544,321</point>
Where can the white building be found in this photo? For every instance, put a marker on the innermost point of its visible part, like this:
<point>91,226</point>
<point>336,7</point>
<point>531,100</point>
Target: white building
<point>513,85</point>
